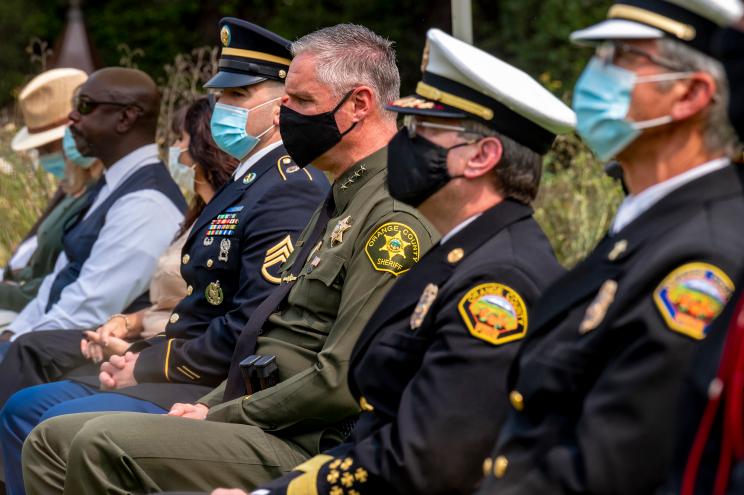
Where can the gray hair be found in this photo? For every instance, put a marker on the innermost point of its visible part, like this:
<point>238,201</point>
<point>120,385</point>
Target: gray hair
<point>518,174</point>
<point>718,135</point>
<point>349,55</point>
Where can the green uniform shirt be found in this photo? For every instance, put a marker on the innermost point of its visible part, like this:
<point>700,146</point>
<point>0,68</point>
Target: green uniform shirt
<point>369,242</point>
<point>15,296</point>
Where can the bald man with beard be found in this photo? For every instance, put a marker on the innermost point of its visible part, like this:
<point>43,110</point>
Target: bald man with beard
<point>111,249</point>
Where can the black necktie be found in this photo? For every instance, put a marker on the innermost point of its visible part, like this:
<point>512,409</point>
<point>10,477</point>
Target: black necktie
<point>246,344</point>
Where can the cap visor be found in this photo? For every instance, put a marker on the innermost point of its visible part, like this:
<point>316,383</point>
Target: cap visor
<point>416,105</point>
<point>24,140</point>
<point>615,29</point>
<point>224,79</point>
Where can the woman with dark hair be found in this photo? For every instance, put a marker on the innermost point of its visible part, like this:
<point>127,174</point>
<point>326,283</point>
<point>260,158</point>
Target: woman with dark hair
<point>62,350</point>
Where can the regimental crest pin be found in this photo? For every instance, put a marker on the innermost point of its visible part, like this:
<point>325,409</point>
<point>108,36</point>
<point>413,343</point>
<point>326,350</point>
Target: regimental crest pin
<point>214,293</point>
<point>422,308</point>
<point>249,178</point>
<point>597,310</point>
<point>225,245</point>
<point>337,235</point>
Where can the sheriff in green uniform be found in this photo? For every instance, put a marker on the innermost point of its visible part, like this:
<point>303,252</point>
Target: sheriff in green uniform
<point>359,242</point>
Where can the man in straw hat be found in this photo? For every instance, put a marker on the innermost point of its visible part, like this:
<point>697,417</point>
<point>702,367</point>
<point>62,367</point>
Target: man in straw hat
<point>595,388</point>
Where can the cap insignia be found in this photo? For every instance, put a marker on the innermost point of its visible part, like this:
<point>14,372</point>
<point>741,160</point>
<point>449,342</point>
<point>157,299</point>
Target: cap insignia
<point>225,35</point>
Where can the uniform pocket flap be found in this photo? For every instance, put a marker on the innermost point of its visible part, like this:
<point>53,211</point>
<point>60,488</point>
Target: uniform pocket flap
<point>326,270</point>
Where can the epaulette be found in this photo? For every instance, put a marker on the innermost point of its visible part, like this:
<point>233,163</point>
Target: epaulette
<point>287,166</point>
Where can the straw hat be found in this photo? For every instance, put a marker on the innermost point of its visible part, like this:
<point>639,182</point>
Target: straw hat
<point>46,102</point>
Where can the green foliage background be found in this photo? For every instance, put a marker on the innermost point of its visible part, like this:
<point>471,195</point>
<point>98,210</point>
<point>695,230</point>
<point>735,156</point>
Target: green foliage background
<point>162,36</point>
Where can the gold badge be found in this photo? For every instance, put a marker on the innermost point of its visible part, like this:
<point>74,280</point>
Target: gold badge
<point>225,35</point>
<point>597,310</point>
<point>425,302</point>
<point>393,248</point>
<point>337,235</point>
<point>282,73</point>
<point>214,294</point>
<point>455,255</point>
<point>225,245</point>
<point>276,256</point>
<point>494,313</point>
<point>692,296</point>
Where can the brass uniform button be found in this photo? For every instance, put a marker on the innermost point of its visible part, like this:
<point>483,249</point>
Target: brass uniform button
<point>174,317</point>
<point>516,399</point>
<point>210,263</point>
<point>499,466</point>
<point>185,259</point>
<point>189,290</point>
<point>455,255</point>
<point>487,466</point>
<point>365,406</point>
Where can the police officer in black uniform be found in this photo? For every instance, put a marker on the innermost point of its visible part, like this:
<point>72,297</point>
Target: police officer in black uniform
<point>429,368</point>
<point>706,461</point>
<point>595,386</point>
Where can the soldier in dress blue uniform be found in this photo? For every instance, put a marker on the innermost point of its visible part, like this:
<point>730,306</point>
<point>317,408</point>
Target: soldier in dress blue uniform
<point>231,260</point>
<point>595,387</point>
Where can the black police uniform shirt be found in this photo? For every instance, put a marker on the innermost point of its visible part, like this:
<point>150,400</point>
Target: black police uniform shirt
<point>595,387</point>
<point>230,263</point>
<point>429,370</point>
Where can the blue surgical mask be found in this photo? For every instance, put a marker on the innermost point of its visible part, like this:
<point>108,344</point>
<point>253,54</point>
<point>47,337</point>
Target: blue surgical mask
<point>182,174</point>
<point>54,163</point>
<point>602,98</point>
<point>72,153</point>
<point>228,129</point>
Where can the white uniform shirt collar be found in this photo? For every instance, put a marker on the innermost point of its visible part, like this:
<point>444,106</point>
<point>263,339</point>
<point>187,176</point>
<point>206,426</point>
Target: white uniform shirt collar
<point>449,235</point>
<point>253,159</point>
<point>126,165</point>
<point>634,206</point>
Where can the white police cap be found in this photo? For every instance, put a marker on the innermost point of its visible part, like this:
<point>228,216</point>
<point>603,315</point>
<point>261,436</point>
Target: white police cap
<point>461,81</point>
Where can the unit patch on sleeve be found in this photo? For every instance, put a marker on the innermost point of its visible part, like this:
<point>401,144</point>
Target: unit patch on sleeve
<point>494,313</point>
<point>692,296</point>
<point>393,248</point>
<point>275,256</point>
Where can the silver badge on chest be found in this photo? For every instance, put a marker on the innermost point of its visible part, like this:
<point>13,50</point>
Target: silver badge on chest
<point>224,250</point>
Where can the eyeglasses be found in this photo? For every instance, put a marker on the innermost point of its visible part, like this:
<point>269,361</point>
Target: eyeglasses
<point>412,124</point>
<point>85,105</point>
<point>611,51</point>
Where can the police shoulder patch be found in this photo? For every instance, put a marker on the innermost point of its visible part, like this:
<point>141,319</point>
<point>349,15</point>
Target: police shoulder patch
<point>393,248</point>
<point>495,313</point>
<point>692,296</point>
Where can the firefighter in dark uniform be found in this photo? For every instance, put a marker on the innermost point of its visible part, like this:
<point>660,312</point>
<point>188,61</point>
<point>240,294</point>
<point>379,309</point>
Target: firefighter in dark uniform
<point>595,386</point>
<point>708,458</point>
<point>430,367</point>
<point>231,260</point>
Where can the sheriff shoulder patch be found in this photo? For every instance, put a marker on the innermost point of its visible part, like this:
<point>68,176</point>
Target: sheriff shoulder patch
<point>692,296</point>
<point>494,313</point>
<point>393,248</point>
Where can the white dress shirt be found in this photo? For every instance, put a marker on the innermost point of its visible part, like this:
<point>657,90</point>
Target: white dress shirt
<point>139,227</point>
<point>634,205</point>
<point>252,159</point>
<point>449,235</point>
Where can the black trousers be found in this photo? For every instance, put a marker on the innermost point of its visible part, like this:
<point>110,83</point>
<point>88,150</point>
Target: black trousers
<point>42,357</point>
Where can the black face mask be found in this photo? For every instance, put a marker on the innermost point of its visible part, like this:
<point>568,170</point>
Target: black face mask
<point>306,137</point>
<point>417,168</point>
<point>729,48</point>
